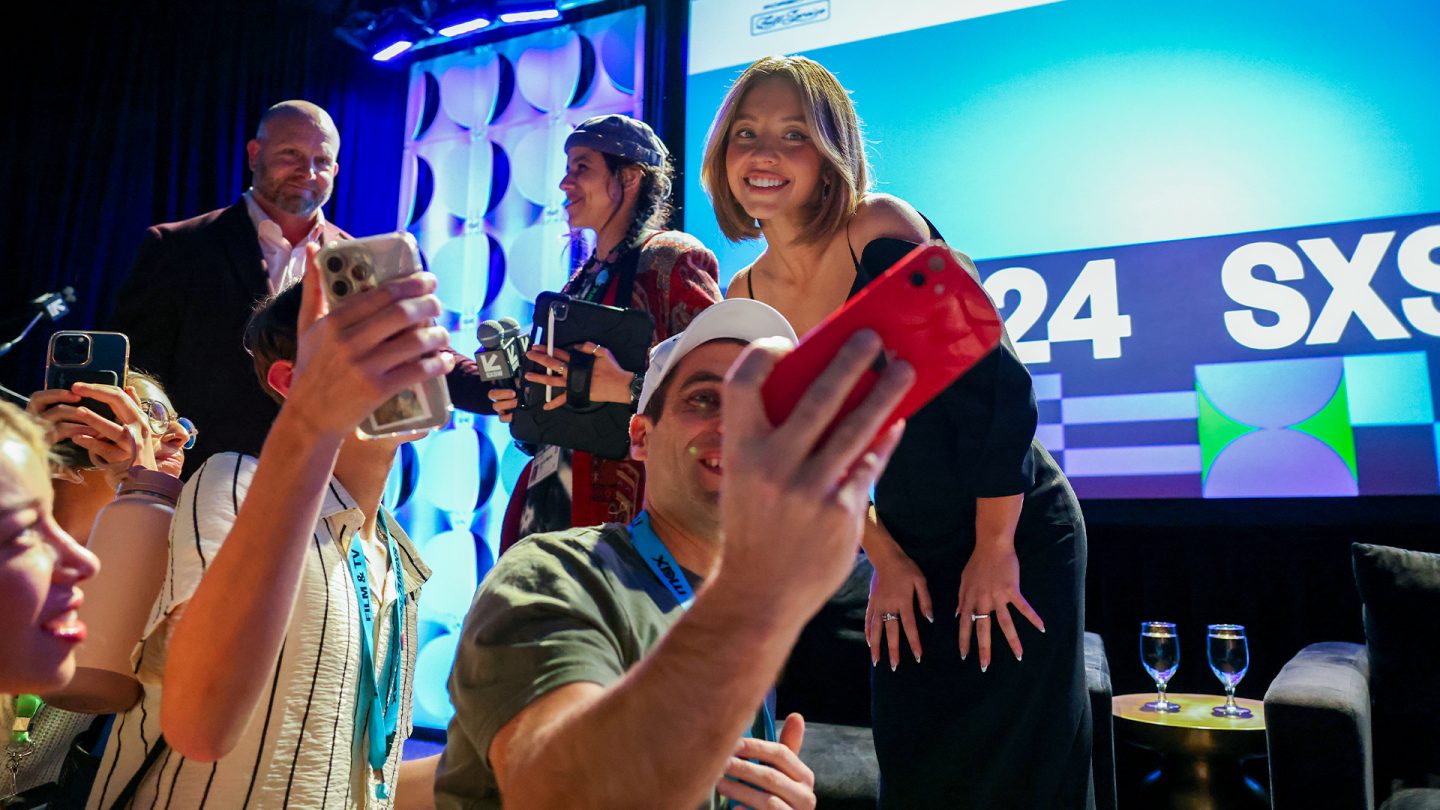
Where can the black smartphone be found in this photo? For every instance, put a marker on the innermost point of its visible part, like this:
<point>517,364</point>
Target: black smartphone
<point>102,358</point>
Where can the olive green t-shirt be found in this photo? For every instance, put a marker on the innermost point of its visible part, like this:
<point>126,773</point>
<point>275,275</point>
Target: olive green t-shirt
<point>559,608</point>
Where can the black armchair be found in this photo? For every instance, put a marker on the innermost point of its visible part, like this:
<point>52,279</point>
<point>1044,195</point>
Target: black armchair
<point>1318,730</point>
<point>1349,724</point>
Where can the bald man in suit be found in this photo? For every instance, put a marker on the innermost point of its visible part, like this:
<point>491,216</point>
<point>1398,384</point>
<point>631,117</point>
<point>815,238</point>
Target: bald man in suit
<point>194,283</point>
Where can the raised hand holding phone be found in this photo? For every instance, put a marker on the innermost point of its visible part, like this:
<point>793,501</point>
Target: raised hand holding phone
<point>928,311</point>
<point>353,358</point>
<point>800,480</point>
<point>352,267</point>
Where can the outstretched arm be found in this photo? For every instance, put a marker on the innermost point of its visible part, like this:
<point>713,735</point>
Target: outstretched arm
<point>670,726</point>
<point>230,635</point>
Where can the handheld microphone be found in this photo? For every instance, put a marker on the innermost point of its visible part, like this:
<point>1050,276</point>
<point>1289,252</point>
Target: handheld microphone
<point>501,355</point>
<point>519,344</point>
<point>51,306</point>
<point>55,305</point>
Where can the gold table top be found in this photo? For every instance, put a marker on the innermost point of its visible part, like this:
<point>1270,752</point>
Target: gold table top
<point>1194,712</point>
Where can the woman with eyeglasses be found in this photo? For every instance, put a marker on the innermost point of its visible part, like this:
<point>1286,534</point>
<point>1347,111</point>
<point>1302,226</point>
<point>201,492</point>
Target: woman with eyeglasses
<point>145,433</point>
<point>115,492</point>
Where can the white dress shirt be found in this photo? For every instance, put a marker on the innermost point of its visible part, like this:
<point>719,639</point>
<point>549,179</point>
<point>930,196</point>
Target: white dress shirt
<point>284,263</point>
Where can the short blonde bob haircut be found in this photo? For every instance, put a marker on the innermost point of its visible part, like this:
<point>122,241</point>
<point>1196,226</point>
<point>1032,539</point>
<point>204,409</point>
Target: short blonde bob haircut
<point>844,172</point>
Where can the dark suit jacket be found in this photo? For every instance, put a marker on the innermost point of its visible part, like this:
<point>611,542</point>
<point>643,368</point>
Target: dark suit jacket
<point>184,306</point>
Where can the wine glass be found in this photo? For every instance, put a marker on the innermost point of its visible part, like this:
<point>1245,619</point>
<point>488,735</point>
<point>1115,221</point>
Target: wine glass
<point>1229,658</point>
<point>1160,653</point>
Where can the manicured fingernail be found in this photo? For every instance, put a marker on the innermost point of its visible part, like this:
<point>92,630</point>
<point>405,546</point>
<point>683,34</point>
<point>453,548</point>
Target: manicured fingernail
<point>984,667</point>
<point>893,666</point>
<point>874,662</point>
<point>1042,628</point>
<point>1019,658</point>
<point>917,658</point>
<point>930,617</point>
<point>962,656</point>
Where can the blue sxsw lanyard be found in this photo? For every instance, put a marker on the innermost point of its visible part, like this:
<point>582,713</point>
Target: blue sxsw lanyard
<point>377,709</point>
<point>652,549</point>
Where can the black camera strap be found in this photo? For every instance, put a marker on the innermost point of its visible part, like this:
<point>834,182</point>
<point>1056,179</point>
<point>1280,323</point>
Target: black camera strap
<point>625,269</point>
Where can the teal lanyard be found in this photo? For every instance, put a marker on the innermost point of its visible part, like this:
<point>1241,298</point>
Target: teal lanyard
<point>652,549</point>
<point>377,709</point>
<point>590,286</point>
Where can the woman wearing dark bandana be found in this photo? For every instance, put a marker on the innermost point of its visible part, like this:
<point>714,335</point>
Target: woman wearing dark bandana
<point>617,183</point>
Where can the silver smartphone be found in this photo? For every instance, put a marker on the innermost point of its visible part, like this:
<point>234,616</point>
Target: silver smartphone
<point>354,265</point>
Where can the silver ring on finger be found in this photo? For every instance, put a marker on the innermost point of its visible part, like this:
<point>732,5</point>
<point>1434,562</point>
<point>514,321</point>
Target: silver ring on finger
<point>975,617</point>
<point>887,616</point>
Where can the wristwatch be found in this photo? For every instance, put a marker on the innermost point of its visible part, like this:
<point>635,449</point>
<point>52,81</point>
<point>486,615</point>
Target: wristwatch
<point>637,384</point>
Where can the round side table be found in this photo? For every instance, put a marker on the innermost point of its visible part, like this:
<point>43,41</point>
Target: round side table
<point>1202,753</point>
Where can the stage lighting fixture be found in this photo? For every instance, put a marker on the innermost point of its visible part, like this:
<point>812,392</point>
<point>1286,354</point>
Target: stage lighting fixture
<point>398,34</point>
<point>387,30</point>
<point>464,26</point>
<point>530,12</point>
<point>392,50</point>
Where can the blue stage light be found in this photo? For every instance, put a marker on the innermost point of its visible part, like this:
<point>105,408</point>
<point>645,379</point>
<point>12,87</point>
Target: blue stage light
<point>464,27</point>
<point>533,15</point>
<point>392,50</point>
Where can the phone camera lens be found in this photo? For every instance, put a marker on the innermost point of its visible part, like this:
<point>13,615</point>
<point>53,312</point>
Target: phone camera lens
<point>340,288</point>
<point>334,264</point>
<point>358,273</point>
<point>72,350</point>
<point>917,279</point>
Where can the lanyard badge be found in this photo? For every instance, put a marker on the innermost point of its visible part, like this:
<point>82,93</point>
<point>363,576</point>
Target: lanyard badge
<point>663,565</point>
<point>377,711</point>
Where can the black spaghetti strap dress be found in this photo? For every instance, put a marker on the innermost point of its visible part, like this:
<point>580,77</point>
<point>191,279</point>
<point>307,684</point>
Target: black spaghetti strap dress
<point>1017,735</point>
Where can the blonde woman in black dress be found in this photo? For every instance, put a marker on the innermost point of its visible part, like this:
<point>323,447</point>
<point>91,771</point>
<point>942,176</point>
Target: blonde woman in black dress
<point>978,543</point>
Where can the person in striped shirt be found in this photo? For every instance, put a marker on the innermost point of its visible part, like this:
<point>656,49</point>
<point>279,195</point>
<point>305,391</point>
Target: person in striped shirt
<point>278,659</point>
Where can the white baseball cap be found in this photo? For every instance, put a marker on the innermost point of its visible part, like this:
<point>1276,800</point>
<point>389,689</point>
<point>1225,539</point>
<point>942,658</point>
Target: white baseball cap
<point>736,319</point>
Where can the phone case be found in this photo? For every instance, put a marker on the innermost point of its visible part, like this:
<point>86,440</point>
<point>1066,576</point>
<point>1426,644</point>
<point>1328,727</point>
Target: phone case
<point>928,310</point>
<point>106,362</point>
<point>354,265</point>
<point>603,428</point>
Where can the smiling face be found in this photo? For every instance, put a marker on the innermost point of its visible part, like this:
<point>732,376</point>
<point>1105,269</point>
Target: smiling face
<point>295,162</point>
<point>594,195</point>
<point>772,165</point>
<point>40,566</point>
<point>681,450</point>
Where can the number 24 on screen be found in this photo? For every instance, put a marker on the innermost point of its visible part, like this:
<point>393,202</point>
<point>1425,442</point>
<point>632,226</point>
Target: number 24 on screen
<point>1103,327</point>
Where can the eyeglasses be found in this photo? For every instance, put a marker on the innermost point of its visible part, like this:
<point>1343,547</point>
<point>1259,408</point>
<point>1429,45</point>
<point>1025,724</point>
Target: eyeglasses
<point>159,415</point>
<point>190,431</point>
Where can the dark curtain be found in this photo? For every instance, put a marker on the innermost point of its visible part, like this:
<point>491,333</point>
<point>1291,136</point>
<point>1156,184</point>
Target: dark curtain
<point>129,114</point>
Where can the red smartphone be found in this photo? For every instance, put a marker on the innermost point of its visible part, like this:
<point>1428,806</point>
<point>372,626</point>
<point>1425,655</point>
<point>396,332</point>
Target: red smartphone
<point>928,311</point>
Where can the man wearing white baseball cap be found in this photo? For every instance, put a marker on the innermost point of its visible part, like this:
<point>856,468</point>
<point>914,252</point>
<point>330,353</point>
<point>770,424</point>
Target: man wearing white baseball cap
<point>622,666</point>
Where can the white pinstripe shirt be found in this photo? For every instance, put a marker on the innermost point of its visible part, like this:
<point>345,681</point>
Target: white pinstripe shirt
<point>299,748</point>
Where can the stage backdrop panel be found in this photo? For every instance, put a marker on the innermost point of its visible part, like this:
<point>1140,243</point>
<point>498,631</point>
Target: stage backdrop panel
<point>1212,229</point>
<point>483,161</point>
